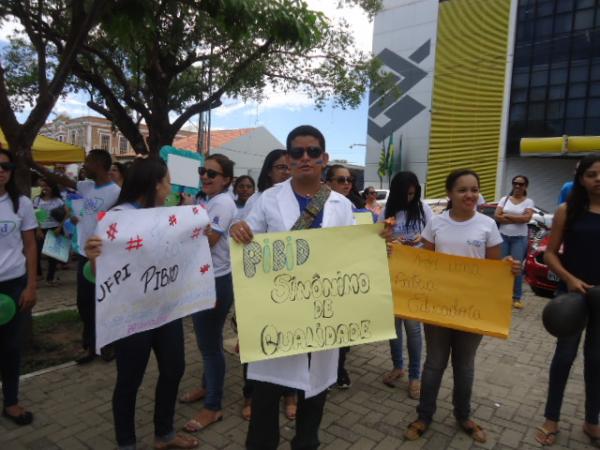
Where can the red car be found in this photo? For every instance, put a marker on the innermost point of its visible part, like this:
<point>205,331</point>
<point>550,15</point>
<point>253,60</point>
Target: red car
<point>542,280</point>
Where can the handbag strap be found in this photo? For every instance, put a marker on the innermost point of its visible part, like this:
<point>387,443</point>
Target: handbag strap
<point>313,209</point>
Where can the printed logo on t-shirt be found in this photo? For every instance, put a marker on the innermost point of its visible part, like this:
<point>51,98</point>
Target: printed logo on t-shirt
<point>91,206</point>
<point>216,220</point>
<point>7,227</point>
<point>475,243</point>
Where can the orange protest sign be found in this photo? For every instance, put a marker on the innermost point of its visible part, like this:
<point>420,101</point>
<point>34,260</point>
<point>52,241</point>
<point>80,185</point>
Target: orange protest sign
<point>467,294</point>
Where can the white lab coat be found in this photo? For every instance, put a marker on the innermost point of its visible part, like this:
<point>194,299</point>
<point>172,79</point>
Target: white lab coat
<point>277,210</point>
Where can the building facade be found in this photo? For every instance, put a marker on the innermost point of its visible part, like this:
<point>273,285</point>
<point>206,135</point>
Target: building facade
<point>476,76</point>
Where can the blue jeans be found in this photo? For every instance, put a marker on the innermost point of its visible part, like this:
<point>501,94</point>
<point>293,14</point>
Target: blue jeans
<point>208,325</point>
<point>414,343</point>
<point>515,246</point>
<point>564,355</point>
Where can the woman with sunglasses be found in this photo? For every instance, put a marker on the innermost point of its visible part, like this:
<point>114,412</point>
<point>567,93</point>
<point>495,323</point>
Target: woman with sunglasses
<point>147,186</point>
<point>371,202</point>
<point>275,170</point>
<point>576,228</point>
<point>514,213</point>
<point>216,176</point>
<point>18,263</point>
<point>411,216</point>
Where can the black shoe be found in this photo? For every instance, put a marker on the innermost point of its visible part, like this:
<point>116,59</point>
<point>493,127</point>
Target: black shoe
<point>24,419</point>
<point>85,359</point>
<point>343,381</point>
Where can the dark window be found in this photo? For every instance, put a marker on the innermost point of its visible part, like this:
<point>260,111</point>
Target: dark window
<point>592,126</point>
<point>555,127</point>
<point>558,75</point>
<point>595,89</point>
<point>575,109</point>
<point>564,5</point>
<point>585,4</point>
<point>537,94</point>
<point>539,78</point>
<point>584,19</point>
<point>556,110</point>
<point>574,127</point>
<point>518,95</point>
<point>595,74</point>
<point>556,92</point>
<point>517,112</point>
<point>536,111</point>
<point>578,90</point>
<point>563,23</point>
<point>579,72</point>
<point>543,27</point>
<point>521,80</point>
<point>545,7</point>
<point>594,108</point>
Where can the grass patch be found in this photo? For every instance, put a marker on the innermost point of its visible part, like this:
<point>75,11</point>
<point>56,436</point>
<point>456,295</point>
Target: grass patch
<point>56,340</point>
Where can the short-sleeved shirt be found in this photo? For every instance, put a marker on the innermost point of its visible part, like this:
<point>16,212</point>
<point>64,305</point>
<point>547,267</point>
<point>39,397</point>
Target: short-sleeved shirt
<point>565,190</point>
<point>514,229</point>
<point>410,231</point>
<point>221,211</point>
<point>48,205</point>
<point>470,238</point>
<point>96,199</point>
<point>12,258</point>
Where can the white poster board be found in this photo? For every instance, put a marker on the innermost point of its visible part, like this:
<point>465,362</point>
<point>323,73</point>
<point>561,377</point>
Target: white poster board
<point>56,246</point>
<point>183,171</point>
<point>155,267</point>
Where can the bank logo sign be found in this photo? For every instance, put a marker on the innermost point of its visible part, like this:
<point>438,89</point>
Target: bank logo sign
<point>397,110</point>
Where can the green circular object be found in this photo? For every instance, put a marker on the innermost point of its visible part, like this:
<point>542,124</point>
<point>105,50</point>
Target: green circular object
<point>88,273</point>
<point>172,199</point>
<point>41,215</point>
<point>8,308</point>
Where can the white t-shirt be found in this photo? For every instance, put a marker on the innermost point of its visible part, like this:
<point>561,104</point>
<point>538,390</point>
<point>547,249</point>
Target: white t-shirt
<point>221,210</point>
<point>469,238</point>
<point>514,229</point>
<point>410,232</point>
<point>48,205</point>
<point>95,199</point>
<point>12,259</point>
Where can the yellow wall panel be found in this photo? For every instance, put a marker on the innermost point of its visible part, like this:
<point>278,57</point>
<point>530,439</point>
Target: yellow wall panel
<point>468,91</point>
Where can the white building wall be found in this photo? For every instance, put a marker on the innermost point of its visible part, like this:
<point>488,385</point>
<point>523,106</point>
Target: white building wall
<point>404,35</point>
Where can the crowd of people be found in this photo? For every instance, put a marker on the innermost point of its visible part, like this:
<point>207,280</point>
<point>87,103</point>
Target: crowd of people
<point>296,189</point>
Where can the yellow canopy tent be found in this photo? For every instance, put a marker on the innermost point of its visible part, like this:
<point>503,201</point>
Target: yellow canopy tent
<point>560,146</point>
<point>51,151</point>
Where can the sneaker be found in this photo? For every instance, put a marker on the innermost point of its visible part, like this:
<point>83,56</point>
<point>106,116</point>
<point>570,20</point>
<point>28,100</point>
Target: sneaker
<point>343,381</point>
<point>517,304</point>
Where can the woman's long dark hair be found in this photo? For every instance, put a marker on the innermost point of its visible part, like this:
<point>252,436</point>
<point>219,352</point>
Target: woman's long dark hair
<point>142,177</point>
<point>54,190</point>
<point>11,187</point>
<point>455,175</point>
<point>398,198</point>
<point>264,179</point>
<point>578,201</point>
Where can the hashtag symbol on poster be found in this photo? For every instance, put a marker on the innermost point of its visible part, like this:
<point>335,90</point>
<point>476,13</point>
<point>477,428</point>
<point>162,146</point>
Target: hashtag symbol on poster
<point>112,231</point>
<point>204,268</point>
<point>134,244</point>
<point>172,220</point>
<point>196,233</point>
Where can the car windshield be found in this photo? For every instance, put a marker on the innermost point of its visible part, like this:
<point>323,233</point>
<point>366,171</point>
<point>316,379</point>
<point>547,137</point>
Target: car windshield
<point>381,195</point>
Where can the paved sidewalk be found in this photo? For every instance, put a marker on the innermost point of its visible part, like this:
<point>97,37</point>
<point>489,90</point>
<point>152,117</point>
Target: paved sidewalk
<point>73,405</point>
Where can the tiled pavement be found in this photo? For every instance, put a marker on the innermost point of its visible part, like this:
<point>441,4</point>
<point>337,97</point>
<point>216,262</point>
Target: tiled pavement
<point>73,404</point>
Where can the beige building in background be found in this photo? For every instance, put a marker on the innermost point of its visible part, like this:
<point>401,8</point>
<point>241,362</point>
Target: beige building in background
<point>95,132</point>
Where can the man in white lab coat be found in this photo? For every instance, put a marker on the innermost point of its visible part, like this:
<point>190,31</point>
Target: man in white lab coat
<point>285,206</point>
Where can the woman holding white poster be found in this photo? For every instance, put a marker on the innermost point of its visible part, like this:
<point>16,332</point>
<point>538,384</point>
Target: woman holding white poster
<point>147,185</point>
<point>460,231</point>
<point>216,176</point>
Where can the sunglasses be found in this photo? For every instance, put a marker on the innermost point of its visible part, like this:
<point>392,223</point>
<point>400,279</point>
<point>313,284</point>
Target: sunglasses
<point>342,180</point>
<point>209,172</point>
<point>370,192</point>
<point>516,183</point>
<point>281,167</point>
<point>8,166</point>
<point>298,152</point>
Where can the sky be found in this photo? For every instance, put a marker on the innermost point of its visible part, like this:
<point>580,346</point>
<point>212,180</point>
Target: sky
<point>279,113</point>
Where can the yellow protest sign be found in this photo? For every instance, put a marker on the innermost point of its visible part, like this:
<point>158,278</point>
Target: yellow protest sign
<point>465,294</point>
<point>363,218</point>
<point>310,290</point>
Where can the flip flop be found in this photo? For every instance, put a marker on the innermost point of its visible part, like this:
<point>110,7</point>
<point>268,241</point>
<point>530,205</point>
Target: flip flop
<point>194,425</point>
<point>193,396</point>
<point>473,430</point>
<point>594,440</point>
<point>415,430</point>
<point>179,441</point>
<point>392,376</point>
<point>548,437</point>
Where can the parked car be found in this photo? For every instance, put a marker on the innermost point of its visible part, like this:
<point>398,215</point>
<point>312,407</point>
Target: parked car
<point>437,205</point>
<point>540,222</point>
<point>542,280</point>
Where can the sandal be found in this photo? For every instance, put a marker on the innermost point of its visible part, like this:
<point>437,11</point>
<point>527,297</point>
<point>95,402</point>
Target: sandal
<point>25,418</point>
<point>202,421</point>
<point>545,437</point>
<point>415,430</point>
<point>392,376</point>
<point>594,440</point>
<point>247,409</point>
<point>414,389</point>
<point>473,430</point>
<point>179,441</point>
<point>291,406</point>
<point>193,396</point>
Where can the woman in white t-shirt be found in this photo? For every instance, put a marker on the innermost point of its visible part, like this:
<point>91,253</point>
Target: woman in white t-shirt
<point>216,176</point>
<point>17,283</point>
<point>50,201</point>
<point>461,231</point>
<point>514,213</point>
<point>411,215</point>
